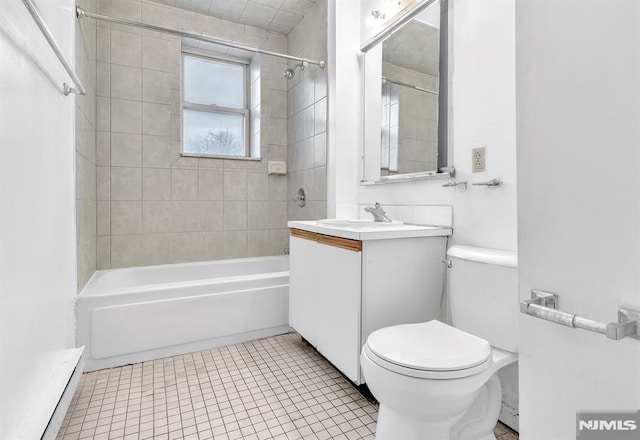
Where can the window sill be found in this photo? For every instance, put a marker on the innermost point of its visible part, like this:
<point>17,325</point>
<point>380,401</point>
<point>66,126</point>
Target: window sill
<point>215,156</point>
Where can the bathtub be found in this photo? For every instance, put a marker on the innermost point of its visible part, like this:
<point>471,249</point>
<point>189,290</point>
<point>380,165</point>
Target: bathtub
<point>143,313</point>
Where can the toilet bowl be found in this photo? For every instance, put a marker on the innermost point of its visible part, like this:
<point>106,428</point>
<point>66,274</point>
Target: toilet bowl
<point>438,382</point>
<point>443,388</point>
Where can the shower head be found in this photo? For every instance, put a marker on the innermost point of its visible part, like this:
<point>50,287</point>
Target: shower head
<point>291,72</point>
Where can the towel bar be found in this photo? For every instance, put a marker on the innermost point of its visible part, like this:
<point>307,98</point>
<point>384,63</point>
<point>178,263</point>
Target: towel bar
<point>46,32</point>
<point>544,305</point>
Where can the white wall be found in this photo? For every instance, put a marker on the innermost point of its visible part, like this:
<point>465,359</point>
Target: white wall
<point>37,236</point>
<point>483,100</point>
<point>344,105</point>
<point>578,205</point>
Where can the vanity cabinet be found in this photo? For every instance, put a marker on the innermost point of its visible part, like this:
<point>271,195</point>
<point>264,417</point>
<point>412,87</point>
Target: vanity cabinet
<point>344,285</point>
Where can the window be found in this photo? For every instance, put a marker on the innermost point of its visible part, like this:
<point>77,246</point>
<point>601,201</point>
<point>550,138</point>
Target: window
<point>215,114</point>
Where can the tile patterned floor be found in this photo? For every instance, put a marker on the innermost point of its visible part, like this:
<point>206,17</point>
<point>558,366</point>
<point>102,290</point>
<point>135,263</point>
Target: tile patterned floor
<point>273,388</point>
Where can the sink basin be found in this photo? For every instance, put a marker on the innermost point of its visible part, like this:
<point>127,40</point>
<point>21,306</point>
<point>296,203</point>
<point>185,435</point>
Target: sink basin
<point>356,223</point>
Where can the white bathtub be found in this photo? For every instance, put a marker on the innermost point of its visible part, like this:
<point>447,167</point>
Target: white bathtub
<point>142,313</point>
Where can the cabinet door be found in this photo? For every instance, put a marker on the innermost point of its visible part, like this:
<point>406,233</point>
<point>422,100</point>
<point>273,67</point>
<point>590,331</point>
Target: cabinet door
<point>339,309</point>
<point>304,292</point>
<point>324,301</point>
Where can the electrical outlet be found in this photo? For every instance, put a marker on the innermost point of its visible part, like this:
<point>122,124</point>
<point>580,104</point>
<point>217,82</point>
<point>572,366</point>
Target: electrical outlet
<point>478,156</point>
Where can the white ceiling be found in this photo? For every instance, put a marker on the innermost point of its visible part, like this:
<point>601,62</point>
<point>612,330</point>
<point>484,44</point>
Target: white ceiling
<point>273,15</point>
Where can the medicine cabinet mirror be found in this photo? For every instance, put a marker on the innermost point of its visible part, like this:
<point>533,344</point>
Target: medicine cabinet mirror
<point>406,111</point>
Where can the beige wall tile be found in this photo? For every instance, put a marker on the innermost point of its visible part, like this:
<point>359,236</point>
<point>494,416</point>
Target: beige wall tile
<point>210,184</point>
<point>184,216</point>
<point>279,239</point>
<point>320,116</point>
<point>126,217</point>
<point>277,130</point>
<point>103,113</point>
<point>156,119</point>
<point>185,247</point>
<point>212,245</point>
<point>126,251</point>
<point>126,116</point>
<point>126,82</point>
<point>103,39</point>
<point>125,150</point>
<point>156,249</point>
<point>156,15</point>
<point>320,183</point>
<point>320,150</point>
<point>158,54</point>
<point>156,184</point>
<point>126,48</point>
<point>258,243</point>
<point>103,79</point>
<point>235,185</point>
<point>103,218</point>
<point>127,9</point>
<point>156,151</point>
<point>278,188</point>
<point>258,215</point>
<point>126,183</point>
<point>103,252</point>
<point>210,216</point>
<point>156,216</point>
<point>103,148</point>
<point>103,183</point>
<point>235,244</point>
<point>235,216</point>
<point>277,215</point>
<point>156,86</point>
<point>257,186</point>
<point>184,184</point>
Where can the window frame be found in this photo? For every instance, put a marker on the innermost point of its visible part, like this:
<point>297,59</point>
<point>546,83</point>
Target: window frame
<point>245,112</point>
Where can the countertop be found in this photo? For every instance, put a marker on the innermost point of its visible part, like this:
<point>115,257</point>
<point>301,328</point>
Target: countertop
<point>372,233</point>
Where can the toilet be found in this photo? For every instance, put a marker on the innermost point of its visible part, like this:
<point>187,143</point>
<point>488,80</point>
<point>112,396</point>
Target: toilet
<point>439,382</point>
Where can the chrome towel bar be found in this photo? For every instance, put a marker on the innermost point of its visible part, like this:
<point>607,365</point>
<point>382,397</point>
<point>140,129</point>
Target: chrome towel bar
<point>46,32</point>
<point>544,305</point>
<point>493,183</point>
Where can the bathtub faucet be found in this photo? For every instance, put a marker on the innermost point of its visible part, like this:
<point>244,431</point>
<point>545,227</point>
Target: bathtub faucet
<point>378,213</point>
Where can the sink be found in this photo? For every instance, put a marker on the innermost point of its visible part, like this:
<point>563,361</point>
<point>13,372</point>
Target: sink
<point>356,223</point>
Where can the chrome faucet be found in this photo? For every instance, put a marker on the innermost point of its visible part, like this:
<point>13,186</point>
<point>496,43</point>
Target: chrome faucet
<point>378,213</point>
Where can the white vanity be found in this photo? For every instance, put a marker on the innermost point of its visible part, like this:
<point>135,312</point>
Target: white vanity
<point>349,278</point>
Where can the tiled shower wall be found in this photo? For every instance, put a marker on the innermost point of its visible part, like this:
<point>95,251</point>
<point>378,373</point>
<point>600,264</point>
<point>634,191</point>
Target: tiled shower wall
<point>307,105</point>
<point>417,120</point>
<point>155,206</point>
<point>85,127</point>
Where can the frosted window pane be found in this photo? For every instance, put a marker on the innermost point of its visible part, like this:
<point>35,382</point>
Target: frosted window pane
<point>209,82</point>
<point>213,133</point>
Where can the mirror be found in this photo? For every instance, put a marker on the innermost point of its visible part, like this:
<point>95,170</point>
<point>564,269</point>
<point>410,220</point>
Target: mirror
<point>405,96</point>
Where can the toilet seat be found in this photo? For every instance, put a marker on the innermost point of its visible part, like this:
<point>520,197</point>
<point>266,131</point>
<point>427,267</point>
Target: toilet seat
<point>431,350</point>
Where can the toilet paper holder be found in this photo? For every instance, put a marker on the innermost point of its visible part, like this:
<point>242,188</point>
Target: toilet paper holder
<point>544,305</point>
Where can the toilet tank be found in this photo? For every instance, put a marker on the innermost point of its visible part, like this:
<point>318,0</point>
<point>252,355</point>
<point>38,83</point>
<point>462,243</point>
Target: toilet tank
<point>483,294</point>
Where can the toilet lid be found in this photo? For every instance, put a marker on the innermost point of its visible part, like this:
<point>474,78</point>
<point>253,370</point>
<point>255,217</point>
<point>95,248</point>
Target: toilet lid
<point>432,346</point>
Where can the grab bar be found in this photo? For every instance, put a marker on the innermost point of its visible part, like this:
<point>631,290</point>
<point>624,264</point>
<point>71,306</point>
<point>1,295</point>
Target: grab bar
<point>37,17</point>
<point>544,305</point>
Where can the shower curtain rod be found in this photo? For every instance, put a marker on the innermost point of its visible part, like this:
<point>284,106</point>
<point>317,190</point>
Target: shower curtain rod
<point>81,13</point>
<point>411,86</point>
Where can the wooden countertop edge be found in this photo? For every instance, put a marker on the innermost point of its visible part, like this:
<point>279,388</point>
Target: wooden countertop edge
<point>344,243</point>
